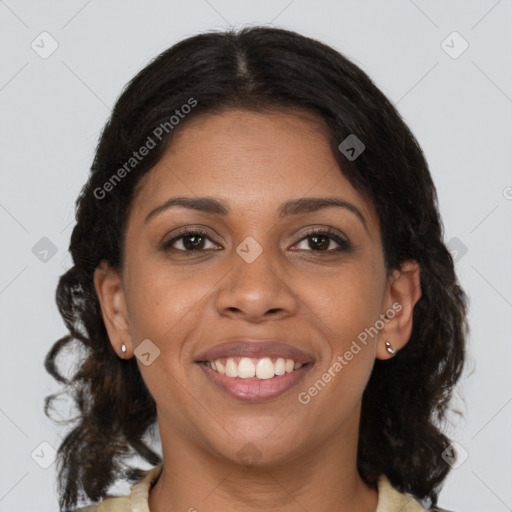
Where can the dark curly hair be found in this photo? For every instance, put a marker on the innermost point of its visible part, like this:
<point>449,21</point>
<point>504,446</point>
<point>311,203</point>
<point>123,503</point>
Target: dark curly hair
<point>263,69</point>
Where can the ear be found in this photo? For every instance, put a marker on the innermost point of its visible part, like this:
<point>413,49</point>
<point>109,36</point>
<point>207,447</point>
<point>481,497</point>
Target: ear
<point>403,291</point>
<point>109,288</point>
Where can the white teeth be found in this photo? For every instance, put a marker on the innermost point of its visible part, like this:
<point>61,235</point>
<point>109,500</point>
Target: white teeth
<point>231,368</point>
<point>280,367</point>
<point>265,368</point>
<point>220,367</point>
<point>246,368</point>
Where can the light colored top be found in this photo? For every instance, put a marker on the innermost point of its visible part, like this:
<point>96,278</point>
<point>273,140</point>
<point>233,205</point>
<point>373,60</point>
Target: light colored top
<point>390,500</point>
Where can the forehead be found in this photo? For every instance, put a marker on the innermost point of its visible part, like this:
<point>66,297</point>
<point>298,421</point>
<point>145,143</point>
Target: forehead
<point>250,160</point>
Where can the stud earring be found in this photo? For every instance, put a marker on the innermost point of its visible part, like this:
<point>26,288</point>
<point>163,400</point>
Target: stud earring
<point>390,349</point>
<point>123,350</point>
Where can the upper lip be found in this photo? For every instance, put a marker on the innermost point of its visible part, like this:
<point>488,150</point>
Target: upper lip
<point>248,347</point>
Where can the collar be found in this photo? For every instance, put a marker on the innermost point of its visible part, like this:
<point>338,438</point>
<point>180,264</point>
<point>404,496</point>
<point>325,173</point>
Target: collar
<point>390,499</point>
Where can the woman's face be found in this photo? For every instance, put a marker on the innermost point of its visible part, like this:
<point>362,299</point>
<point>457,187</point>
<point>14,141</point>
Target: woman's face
<point>254,275</point>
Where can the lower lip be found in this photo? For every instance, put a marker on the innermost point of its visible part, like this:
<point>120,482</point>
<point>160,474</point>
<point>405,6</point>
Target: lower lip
<point>256,390</point>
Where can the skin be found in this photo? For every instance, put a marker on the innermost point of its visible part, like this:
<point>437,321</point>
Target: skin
<point>318,301</point>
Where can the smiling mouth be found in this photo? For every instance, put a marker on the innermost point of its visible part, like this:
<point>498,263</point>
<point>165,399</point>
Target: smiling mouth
<point>261,368</point>
<point>254,379</point>
<point>252,369</point>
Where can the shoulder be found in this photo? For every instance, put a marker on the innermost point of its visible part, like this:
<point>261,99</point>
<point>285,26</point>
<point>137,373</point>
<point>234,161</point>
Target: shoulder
<point>136,500</point>
<point>110,504</point>
<point>391,500</point>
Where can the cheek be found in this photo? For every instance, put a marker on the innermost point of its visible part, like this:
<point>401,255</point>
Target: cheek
<point>164,305</point>
<point>346,304</point>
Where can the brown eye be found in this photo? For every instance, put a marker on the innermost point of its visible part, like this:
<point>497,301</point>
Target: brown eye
<point>190,241</point>
<point>317,241</point>
<point>320,241</point>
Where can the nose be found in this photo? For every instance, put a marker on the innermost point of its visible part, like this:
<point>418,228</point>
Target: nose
<point>256,290</point>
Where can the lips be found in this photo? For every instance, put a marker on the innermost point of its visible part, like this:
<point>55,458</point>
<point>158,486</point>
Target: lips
<point>255,349</point>
<point>254,389</point>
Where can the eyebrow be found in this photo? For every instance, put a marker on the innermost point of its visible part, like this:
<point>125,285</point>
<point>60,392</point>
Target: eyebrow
<point>289,208</point>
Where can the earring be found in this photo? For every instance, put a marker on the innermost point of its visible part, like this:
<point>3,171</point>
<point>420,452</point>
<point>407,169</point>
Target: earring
<point>390,349</point>
<point>123,350</point>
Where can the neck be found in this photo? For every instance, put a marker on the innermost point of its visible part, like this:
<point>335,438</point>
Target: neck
<point>321,478</point>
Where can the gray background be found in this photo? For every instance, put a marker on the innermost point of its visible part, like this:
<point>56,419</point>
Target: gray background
<point>52,110</point>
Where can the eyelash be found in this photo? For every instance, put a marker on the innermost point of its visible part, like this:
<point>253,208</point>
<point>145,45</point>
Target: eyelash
<point>344,245</point>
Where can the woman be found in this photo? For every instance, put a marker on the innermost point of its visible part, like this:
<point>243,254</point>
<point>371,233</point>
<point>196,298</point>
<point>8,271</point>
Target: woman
<point>259,269</point>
